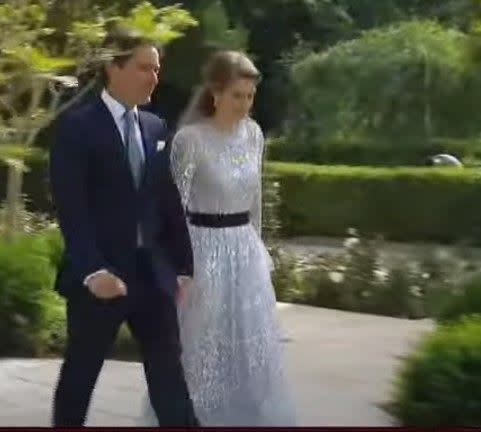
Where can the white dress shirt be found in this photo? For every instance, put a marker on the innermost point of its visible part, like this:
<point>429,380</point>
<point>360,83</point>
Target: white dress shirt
<point>118,110</point>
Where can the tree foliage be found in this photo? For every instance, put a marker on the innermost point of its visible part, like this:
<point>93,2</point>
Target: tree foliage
<point>402,85</point>
<point>40,57</point>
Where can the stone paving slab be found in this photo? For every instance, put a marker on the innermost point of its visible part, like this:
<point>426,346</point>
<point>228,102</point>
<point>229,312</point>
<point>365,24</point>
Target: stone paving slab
<point>340,367</point>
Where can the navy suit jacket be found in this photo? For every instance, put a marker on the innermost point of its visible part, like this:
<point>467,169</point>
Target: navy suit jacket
<point>99,208</point>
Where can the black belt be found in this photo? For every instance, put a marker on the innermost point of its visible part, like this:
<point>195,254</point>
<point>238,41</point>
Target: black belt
<point>221,220</point>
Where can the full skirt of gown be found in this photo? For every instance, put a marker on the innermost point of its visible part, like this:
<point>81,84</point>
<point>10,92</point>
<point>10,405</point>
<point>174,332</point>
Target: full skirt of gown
<point>232,348</point>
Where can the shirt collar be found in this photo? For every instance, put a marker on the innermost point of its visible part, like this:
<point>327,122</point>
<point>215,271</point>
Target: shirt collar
<point>115,107</point>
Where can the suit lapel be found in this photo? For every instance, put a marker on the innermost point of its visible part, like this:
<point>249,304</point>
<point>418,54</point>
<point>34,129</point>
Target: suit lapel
<point>148,140</point>
<point>113,138</point>
<point>106,118</point>
<point>149,143</point>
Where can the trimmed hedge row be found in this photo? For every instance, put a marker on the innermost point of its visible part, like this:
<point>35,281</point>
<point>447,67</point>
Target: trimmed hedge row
<point>403,203</point>
<point>400,203</point>
<point>373,152</point>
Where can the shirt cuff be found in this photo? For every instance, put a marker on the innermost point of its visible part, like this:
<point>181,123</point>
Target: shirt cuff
<point>184,277</point>
<point>91,275</point>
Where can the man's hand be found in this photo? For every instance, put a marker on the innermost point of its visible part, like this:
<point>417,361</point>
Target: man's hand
<point>184,284</point>
<point>106,286</point>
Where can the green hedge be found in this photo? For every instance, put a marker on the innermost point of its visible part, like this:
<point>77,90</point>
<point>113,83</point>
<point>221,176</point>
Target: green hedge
<point>32,315</point>
<point>465,300</point>
<point>373,152</point>
<point>405,204</point>
<point>438,384</point>
<point>29,310</point>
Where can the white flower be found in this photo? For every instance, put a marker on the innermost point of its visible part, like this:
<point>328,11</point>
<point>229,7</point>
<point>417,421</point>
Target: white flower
<point>414,267</point>
<point>352,232</point>
<point>20,320</point>
<point>442,254</point>
<point>381,275</point>
<point>426,276</point>
<point>365,294</point>
<point>351,242</point>
<point>336,277</point>
<point>415,291</point>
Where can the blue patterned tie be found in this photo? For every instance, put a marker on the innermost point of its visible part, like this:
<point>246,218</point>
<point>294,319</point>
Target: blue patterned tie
<point>134,147</point>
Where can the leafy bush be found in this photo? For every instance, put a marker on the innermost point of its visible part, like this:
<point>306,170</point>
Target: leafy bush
<point>439,383</point>
<point>271,202</point>
<point>463,300</point>
<point>32,315</point>
<point>385,97</point>
<point>29,222</point>
<point>287,278</point>
<point>405,204</point>
<point>54,240</point>
<point>27,303</point>
<point>361,279</point>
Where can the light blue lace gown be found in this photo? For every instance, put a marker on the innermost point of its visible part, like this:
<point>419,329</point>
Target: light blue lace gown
<point>232,352</point>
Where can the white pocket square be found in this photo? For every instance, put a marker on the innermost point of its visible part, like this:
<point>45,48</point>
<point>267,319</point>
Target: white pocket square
<point>160,145</point>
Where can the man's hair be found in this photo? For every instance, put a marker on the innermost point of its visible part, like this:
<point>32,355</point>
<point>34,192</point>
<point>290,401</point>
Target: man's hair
<point>120,44</point>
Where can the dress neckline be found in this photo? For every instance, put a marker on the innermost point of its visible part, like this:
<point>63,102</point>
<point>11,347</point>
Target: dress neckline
<point>224,133</point>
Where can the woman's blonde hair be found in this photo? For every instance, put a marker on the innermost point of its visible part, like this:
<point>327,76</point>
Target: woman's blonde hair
<point>222,68</point>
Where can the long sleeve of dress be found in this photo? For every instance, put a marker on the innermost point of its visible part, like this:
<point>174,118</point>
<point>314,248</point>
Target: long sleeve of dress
<point>183,164</point>
<point>256,209</point>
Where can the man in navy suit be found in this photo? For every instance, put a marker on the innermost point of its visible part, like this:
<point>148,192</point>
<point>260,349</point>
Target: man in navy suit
<point>127,247</point>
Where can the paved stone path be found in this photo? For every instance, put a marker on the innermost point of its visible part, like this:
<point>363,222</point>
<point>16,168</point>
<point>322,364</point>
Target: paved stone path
<point>340,366</point>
